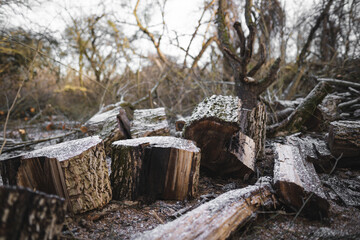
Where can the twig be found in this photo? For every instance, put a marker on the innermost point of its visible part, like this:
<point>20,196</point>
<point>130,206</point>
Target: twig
<point>17,95</point>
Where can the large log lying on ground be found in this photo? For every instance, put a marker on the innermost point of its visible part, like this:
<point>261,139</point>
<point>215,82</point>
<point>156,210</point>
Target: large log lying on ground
<point>111,124</point>
<point>75,170</point>
<point>344,140</point>
<point>149,122</point>
<point>218,218</point>
<point>30,215</point>
<point>150,168</point>
<point>228,135</point>
<point>297,183</point>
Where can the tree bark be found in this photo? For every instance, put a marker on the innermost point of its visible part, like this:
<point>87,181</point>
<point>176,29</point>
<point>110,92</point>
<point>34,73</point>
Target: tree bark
<point>149,122</point>
<point>153,168</point>
<point>344,141</point>
<point>297,183</point>
<point>30,215</point>
<point>218,218</point>
<point>74,170</point>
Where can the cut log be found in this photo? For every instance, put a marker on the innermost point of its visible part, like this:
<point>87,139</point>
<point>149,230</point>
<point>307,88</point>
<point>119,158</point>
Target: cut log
<point>74,170</point>
<point>297,183</point>
<point>348,190</point>
<point>153,168</point>
<point>30,215</point>
<point>344,138</point>
<point>313,150</point>
<point>149,122</point>
<point>111,124</point>
<point>223,130</point>
<point>218,218</point>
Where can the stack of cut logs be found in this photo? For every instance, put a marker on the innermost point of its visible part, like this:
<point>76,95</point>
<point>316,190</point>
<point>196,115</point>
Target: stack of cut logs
<point>221,136</point>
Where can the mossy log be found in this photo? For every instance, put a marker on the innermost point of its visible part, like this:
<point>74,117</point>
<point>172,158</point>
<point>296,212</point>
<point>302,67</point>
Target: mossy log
<point>149,122</point>
<point>30,215</point>
<point>153,168</point>
<point>75,170</point>
<point>111,124</point>
<point>230,137</point>
<point>218,218</point>
<point>344,140</point>
<point>297,183</point>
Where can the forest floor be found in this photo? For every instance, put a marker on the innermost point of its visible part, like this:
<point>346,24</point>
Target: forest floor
<point>124,219</point>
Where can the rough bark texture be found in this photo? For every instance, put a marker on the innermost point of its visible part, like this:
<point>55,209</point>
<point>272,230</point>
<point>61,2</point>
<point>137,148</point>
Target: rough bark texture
<point>75,170</point>
<point>344,139</point>
<point>149,122</point>
<point>30,215</point>
<point>302,113</point>
<point>296,182</point>
<point>218,218</point>
<point>110,124</point>
<point>230,137</point>
<point>153,168</point>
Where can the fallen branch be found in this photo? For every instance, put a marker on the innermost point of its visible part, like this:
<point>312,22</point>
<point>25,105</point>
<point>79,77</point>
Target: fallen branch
<point>339,82</point>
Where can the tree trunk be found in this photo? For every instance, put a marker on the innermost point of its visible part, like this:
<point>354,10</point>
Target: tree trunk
<point>297,183</point>
<point>74,170</point>
<point>153,168</point>
<point>218,218</point>
<point>30,215</point>
<point>149,122</point>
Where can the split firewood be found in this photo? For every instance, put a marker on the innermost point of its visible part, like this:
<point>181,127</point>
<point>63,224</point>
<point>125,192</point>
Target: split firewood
<point>153,168</point>
<point>302,113</point>
<point>224,130</point>
<point>30,215</point>
<point>75,170</point>
<point>218,218</point>
<point>297,183</point>
<point>149,122</point>
<point>344,140</point>
<point>111,124</point>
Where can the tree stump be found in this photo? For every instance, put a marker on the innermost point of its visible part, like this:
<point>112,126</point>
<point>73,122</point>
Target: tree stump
<point>111,125</point>
<point>154,167</point>
<point>149,122</point>
<point>30,215</point>
<point>218,218</point>
<point>75,170</point>
<point>297,183</point>
<point>229,136</point>
<point>344,140</point>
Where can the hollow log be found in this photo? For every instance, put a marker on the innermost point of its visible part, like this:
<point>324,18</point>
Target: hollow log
<point>149,122</point>
<point>230,137</point>
<point>344,140</point>
<point>26,214</point>
<point>111,124</point>
<point>75,170</point>
<point>297,183</point>
<point>218,218</point>
<point>153,168</point>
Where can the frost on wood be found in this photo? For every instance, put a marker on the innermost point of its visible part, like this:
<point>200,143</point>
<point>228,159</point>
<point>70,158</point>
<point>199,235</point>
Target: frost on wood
<point>296,180</point>
<point>75,170</point>
<point>344,140</point>
<point>218,218</point>
<point>30,215</point>
<point>149,122</point>
<point>111,125</point>
<point>150,168</point>
<point>230,137</point>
